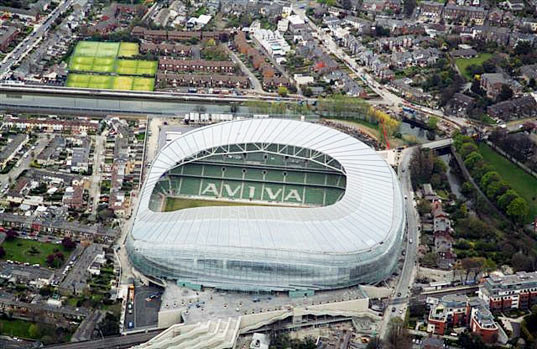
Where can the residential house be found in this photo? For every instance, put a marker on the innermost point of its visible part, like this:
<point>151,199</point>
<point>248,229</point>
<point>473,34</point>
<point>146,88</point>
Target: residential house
<point>459,105</point>
<point>194,80</point>
<point>492,83</point>
<point>183,65</point>
<point>7,35</point>
<point>431,10</point>
<point>517,108</point>
<point>453,12</point>
<point>528,72</point>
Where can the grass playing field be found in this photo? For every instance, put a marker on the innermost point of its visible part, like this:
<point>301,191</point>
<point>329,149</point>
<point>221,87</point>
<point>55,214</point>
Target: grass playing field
<point>110,82</point>
<point>30,251</point>
<point>102,58</point>
<point>136,67</point>
<point>123,83</point>
<point>523,183</point>
<point>96,49</point>
<point>128,49</point>
<point>174,204</point>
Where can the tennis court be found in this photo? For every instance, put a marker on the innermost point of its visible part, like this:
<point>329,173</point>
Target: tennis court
<point>128,49</point>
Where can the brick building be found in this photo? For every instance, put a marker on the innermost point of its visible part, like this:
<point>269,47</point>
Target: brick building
<point>454,311</point>
<point>504,292</point>
<point>7,35</point>
<point>183,65</point>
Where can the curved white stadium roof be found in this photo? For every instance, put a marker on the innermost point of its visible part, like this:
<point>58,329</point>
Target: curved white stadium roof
<point>369,214</point>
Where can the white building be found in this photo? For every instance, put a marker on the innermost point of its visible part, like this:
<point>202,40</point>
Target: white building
<point>273,42</point>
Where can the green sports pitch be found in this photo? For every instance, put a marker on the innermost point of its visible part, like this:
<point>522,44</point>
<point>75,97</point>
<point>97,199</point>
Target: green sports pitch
<point>136,67</point>
<point>110,82</point>
<point>102,57</point>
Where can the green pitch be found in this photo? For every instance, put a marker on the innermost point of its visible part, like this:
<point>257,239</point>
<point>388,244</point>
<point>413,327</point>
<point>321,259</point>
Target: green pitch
<point>110,82</point>
<point>128,49</point>
<point>135,67</point>
<point>123,83</point>
<point>102,58</point>
<point>143,84</point>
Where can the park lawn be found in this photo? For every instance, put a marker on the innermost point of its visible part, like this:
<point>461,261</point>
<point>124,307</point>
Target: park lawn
<point>174,204</point>
<point>462,63</point>
<point>20,250</point>
<point>122,83</point>
<point>15,328</point>
<point>523,183</point>
<point>128,49</point>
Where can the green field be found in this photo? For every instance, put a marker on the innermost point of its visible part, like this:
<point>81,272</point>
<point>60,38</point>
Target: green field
<point>523,183</point>
<point>96,49</point>
<point>128,49</point>
<point>30,251</point>
<point>15,328</point>
<point>110,82</point>
<point>462,63</point>
<point>143,84</point>
<point>102,58</point>
<point>174,204</point>
<point>136,67</point>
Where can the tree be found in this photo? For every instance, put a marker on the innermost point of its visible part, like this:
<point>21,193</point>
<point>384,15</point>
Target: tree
<point>34,331</point>
<point>409,6</point>
<point>430,259</point>
<point>506,93</point>
<point>532,83</point>
<point>283,91</point>
<point>68,243</point>
<point>518,209</point>
<point>521,262</point>
<point>489,177</point>
<point>432,122</point>
<point>308,92</point>
<point>11,234</point>
<point>397,337</point>
<point>472,158</point>
<point>505,199</point>
<point>2,252</point>
<point>467,149</point>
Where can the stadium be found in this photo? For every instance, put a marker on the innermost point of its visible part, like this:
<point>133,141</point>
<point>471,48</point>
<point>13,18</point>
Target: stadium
<point>268,205</point>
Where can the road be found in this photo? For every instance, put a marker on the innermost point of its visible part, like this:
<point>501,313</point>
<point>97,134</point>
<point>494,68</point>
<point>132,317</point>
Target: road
<point>95,186</point>
<point>26,45</point>
<point>24,163</point>
<point>111,342</point>
<point>253,79</point>
<point>406,278</point>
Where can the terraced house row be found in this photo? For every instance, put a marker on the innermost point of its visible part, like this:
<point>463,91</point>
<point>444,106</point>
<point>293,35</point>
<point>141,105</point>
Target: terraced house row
<point>213,80</point>
<point>179,65</point>
<point>178,35</point>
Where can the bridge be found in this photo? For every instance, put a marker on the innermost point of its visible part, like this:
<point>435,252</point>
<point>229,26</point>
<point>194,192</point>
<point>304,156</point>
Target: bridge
<point>442,143</point>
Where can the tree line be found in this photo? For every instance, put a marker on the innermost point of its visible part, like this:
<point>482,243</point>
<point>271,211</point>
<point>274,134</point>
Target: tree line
<point>490,181</point>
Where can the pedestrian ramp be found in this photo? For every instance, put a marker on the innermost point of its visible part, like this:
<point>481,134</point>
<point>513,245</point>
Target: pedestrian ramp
<point>213,334</point>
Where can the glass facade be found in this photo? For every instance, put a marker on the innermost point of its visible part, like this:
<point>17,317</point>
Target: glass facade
<point>355,237</point>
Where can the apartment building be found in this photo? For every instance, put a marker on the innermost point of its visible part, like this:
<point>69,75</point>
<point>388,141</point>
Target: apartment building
<point>504,292</point>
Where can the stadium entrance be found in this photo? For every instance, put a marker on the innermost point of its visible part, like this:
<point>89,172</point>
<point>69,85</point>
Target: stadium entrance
<point>251,174</point>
